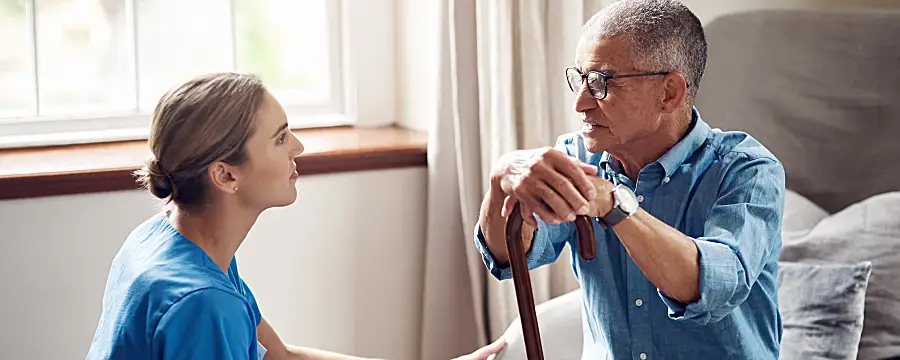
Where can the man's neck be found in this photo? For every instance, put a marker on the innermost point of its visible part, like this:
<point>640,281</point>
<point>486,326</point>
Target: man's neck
<point>217,229</point>
<point>636,155</point>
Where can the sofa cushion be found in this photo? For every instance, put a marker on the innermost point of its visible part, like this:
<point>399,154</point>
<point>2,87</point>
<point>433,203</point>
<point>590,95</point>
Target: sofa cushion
<point>820,98</point>
<point>822,309</point>
<point>559,321</point>
<point>865,231</point>
<point>800,214</point>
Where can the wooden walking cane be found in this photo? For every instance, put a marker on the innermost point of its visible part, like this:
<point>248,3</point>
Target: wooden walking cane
<point>522,280</point>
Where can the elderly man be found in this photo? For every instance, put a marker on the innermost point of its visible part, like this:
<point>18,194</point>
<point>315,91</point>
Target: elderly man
<point>688,218</point>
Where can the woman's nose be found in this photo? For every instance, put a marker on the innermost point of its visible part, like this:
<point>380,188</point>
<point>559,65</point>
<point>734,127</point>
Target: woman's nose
<point>298,147</point>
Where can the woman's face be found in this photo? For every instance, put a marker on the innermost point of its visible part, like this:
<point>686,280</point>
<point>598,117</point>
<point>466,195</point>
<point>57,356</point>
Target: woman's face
<point>267,178</point>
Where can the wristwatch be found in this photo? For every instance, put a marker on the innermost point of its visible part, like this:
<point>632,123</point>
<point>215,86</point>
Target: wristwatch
<point>625,204</point>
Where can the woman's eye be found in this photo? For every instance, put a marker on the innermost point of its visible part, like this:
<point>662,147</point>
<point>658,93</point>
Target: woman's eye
<point>281,138</point>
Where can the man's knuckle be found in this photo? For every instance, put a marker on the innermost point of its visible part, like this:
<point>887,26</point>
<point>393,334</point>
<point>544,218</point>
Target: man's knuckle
<point>544,192</point>
<point>559,183</point>
<point>547,154</point>
<point>529,183</point>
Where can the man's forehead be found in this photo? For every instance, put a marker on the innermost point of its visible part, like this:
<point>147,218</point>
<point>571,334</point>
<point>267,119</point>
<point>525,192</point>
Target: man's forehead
<point>603,54</point>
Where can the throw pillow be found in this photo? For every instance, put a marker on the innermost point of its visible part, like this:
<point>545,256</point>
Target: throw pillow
<point>800,214</point>
<point>822,309</point>
<point>866,231</point>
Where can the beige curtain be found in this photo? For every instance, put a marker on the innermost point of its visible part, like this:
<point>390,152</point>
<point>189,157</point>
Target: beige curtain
<point>501,88</point>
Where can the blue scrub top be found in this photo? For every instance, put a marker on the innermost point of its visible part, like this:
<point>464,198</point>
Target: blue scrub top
<point>166,299</point>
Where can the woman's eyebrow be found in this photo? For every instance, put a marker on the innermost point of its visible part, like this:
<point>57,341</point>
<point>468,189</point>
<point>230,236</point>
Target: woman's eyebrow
<point>280,129</point>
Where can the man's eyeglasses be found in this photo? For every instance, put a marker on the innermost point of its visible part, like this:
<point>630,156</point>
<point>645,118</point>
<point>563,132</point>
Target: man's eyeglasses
<point>597,81</point>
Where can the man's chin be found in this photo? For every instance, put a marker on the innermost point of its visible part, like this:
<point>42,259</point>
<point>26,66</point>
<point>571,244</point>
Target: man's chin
<point>595,144</point>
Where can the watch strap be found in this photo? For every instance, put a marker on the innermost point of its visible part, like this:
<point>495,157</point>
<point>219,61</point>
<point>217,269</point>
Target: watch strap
<point>615,216</point>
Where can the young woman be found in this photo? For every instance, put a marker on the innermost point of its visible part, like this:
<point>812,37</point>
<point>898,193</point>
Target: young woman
<point>222,153</point>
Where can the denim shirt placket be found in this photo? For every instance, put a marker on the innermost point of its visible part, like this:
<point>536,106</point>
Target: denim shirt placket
<point>638,291</point>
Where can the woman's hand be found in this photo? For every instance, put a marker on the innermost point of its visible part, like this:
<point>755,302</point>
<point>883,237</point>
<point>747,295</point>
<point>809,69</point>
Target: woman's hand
<point>485,352</point>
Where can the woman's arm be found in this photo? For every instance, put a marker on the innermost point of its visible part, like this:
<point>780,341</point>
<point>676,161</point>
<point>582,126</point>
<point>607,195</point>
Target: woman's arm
<point>277,350</point>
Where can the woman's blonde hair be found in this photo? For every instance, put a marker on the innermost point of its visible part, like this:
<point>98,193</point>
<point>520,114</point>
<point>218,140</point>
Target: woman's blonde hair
<point>202,121</point>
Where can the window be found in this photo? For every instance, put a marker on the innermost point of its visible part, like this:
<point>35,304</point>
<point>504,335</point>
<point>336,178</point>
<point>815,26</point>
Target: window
<point>92,70</point>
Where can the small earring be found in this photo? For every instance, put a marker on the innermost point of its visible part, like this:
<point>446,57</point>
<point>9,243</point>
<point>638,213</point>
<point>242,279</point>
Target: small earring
<point>235,188</point>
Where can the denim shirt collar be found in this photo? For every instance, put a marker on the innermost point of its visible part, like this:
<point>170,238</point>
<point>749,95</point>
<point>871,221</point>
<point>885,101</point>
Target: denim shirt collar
<point>677,155</point>
<point>689,144</point>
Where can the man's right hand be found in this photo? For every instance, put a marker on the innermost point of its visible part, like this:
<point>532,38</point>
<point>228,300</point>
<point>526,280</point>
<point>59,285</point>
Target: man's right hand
<point>546,182</point>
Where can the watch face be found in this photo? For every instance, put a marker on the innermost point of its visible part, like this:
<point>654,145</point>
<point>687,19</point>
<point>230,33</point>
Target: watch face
<point>627,201</point>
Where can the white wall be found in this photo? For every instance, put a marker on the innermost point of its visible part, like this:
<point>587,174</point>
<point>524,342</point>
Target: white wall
<point>340,269</point>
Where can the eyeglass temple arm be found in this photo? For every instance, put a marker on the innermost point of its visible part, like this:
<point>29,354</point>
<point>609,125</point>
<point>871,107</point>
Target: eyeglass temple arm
<point>607,77</point>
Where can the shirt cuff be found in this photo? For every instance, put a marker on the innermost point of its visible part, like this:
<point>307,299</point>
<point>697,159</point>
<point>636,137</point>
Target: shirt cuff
<point>503,273</point>
<point>719,274</point>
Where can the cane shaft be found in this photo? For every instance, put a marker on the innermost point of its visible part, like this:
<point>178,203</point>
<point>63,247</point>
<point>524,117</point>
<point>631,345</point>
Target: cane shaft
<point>522,279</point>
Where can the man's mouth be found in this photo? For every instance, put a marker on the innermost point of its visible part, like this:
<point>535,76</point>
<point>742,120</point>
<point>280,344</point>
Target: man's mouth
<point>590,124</point>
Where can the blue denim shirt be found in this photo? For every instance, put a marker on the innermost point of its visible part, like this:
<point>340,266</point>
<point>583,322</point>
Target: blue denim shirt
<point>726,192</point>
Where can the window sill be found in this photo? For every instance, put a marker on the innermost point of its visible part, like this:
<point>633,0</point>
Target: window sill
<point>89,168</point>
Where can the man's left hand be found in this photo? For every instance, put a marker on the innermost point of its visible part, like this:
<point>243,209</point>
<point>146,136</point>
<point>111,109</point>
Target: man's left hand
<point>601,204</point>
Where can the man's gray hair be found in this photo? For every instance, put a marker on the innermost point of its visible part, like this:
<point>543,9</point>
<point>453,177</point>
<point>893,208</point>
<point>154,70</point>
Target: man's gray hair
<point>665,35</point>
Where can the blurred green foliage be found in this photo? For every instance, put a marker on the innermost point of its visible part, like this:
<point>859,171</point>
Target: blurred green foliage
<point>258,50</point>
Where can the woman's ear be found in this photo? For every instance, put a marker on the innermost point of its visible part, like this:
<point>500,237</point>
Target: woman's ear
<point>222,178</point>
<point>674,92</point>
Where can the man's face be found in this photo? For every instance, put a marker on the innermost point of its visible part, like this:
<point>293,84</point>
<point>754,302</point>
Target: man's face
<point>632,107</point>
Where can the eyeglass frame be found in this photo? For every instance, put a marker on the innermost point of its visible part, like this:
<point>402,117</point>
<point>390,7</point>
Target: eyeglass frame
<point>604,78</point>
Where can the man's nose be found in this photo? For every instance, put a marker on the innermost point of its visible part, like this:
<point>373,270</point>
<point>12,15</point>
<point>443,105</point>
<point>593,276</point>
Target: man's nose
<point>584,101</point>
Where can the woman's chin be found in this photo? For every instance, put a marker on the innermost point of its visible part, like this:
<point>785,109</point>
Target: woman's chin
<point>287,199</point>
<point>292,198</point>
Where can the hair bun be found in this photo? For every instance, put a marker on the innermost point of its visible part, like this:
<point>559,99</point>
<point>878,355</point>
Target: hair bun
<point>156,180</point>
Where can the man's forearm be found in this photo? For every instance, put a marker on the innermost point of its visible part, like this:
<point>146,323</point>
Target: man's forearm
<point>668,258</point>
<point>493,225</point>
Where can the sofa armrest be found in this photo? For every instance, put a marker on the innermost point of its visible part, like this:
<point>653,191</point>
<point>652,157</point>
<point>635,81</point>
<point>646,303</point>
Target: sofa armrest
<point>560,322</point>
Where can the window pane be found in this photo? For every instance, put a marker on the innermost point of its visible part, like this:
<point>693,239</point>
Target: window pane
<point>16,61</point>
<point>85,57</point>
<point>286,43</point>
<point>179,40</point>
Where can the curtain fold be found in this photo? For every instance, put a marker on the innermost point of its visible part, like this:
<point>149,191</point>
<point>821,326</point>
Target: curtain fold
<point>501,88</point>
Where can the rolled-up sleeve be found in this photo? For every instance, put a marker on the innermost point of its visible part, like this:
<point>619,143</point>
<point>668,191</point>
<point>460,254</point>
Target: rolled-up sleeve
<point>741,235</point>
<point>549,241</point>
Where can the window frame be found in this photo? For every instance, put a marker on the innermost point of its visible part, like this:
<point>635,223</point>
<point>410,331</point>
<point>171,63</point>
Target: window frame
<point>361,51</point>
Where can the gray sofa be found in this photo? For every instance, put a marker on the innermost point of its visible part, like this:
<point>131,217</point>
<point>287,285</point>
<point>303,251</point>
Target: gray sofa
<point>822,91</point>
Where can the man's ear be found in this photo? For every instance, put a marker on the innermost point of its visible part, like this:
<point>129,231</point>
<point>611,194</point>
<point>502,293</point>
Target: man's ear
<point>674,92</point>
<point>222,177</point>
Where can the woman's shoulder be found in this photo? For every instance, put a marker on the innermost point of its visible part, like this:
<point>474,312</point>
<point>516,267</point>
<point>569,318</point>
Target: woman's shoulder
<point>158,266</point>
<point>159,278</point>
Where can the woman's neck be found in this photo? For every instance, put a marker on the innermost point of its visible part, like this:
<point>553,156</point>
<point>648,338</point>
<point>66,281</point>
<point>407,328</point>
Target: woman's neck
<point>218,230</point>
